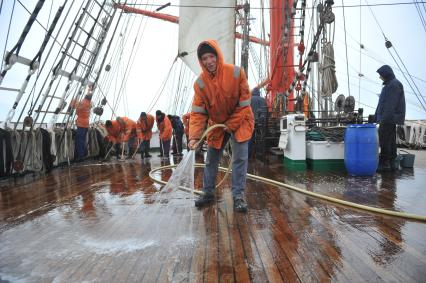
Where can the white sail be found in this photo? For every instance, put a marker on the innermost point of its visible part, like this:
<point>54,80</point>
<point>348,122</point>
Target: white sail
<point>198,23</point>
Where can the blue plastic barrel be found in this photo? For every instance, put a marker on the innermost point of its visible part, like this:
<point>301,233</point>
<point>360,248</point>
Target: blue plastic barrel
<point>361,149</point>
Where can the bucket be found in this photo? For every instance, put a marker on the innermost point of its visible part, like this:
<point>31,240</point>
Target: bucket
<point>361,149</point>
<point>407,160</point>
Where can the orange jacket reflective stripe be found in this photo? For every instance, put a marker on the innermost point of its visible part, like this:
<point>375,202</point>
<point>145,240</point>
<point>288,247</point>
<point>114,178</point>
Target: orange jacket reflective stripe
<point>223,98</point>
<point>144,127</point>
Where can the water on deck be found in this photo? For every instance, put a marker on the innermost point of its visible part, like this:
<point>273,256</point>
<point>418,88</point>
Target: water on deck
<point>106,222</point>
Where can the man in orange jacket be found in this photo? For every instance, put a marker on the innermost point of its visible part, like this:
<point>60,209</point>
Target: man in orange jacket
<point>165,127</point>
<point>82,122</point>
<point>144,132</point>
<point>222,96</point>
<point>121,131</point>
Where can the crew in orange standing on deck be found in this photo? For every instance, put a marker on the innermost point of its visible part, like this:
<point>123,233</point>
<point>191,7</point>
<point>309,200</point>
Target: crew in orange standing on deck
<point>165,127</point>
<point>144,132</point>
<point>222,96</point>
<point>82,122</point>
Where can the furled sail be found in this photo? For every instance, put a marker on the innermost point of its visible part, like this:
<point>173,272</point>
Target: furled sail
<point>198,23</point>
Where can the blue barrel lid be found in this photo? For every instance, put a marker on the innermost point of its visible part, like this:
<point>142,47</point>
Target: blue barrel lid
<point>369,125</point>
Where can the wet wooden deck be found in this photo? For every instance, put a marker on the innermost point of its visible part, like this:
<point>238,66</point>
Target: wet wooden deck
<point>108,223</point>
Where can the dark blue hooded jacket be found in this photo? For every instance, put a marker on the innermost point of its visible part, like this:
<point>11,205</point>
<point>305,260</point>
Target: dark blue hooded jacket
<point>258,103</point>
<point>177,125</point>
<point>391,106</point>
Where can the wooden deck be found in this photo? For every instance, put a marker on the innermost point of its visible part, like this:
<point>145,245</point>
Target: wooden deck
<point>106,222</point>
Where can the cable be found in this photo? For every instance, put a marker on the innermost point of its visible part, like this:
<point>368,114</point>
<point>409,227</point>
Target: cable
<point>8,31</point>
<point>15,50</point>
<point>23,6</point>
<point>422,19</point>
<point>346,49</point>
<point>409,83</point>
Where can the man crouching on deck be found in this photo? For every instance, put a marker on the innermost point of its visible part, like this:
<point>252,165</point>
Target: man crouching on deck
<point>222,96</point>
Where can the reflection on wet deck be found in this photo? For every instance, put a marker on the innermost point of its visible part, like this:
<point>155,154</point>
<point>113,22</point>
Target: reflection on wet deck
<point>107,222</point>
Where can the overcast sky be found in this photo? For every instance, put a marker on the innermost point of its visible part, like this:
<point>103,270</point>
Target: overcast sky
<point>156,48</point>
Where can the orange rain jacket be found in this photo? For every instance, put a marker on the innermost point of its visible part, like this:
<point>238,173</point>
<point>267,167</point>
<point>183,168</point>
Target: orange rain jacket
<point>144,127</point>
<point>128,128</point>
<point>113,132</point>
<point>83,113</point>
<point>223,98</point>
<point>122,129</point>
<point>165,128</point>
<point>185,120</point>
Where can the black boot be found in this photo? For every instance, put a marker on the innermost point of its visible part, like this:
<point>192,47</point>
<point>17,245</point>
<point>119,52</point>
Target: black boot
<point>240,205</point>
<point>384,166</point>
<point>204,200</point>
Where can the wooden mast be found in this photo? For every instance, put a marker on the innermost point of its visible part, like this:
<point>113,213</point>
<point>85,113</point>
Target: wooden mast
<point>174,19</point>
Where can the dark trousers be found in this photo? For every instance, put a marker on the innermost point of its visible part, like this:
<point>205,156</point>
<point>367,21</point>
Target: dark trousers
<point>165,148</point>
<point>251,145</point>
<point>6,154</point>
<point>177,142</point>
<point>187,142</point>
<point>387,141</point>
<point>80,143</point>
<point>145,146</point>
<point>132,144</point>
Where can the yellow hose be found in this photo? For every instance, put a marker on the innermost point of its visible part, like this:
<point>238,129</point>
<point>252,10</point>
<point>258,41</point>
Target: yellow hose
<point>293,188</point>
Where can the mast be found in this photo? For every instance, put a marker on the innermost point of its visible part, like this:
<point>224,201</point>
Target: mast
<point>281,50</point>
<point>245,43</point>
<point>175,19</point>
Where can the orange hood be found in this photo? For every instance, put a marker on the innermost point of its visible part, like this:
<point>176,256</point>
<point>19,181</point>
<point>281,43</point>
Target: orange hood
<point>217,82</point>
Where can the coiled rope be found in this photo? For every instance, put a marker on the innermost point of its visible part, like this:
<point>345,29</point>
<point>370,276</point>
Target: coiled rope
<point>329,80</point>
<point>290,187</point>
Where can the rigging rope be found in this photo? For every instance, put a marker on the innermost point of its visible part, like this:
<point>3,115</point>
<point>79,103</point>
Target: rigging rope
<point>417,96</point>
<point>59,65</point>
<point>157,96</point>
<point>35,62</point>
<point>130,61</point>
<point>7,36</point>
<point>33,104</point>
<point>346,50</point>
<point>329,80</point>
<point>388,45</point>
<point>9,60</point>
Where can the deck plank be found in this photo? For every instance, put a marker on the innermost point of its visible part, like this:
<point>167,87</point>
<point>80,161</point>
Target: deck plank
<point>107,222</point>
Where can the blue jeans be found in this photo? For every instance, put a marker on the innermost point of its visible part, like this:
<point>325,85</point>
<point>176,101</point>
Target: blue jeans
<point>80,143</point>
<point>239,167</point>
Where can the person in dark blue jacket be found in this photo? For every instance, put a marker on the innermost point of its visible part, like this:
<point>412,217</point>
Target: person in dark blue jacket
<point>390,112</point>
<point>259,108</point>
<point>178,131</point>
